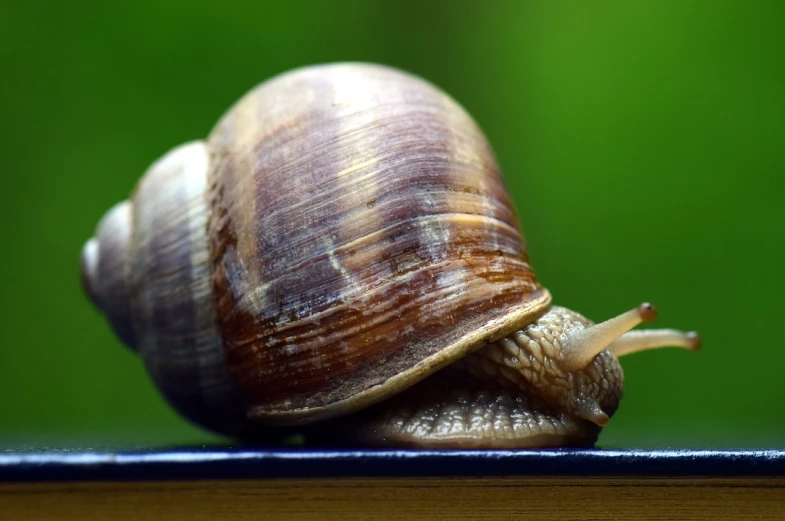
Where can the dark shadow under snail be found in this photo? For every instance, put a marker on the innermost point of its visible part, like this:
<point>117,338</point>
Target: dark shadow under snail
<point>341,256</point>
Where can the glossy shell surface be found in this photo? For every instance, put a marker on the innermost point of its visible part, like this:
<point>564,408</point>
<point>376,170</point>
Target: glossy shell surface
<point>172,306</point>
<point>361,237</point>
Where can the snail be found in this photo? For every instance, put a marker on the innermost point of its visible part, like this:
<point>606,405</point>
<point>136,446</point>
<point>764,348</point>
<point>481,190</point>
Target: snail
<point>340,256</point>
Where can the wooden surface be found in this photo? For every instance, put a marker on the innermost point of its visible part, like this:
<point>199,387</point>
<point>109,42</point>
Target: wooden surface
<point>242,483</point>
<point>401,499</point>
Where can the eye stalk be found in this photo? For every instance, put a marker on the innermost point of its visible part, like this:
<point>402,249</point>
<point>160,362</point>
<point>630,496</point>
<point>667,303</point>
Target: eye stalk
<point>634,341</point>
<point>614,334</point>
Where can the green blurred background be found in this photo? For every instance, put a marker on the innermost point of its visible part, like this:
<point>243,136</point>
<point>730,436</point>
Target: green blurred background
<point>643,143</point>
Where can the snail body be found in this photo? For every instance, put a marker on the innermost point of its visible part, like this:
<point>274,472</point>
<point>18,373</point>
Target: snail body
<point>340,255</point>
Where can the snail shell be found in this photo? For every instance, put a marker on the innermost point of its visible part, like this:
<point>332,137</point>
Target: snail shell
<point>342,234</point>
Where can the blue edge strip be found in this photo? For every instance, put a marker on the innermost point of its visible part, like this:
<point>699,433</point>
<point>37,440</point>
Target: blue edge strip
<point>200,463</point>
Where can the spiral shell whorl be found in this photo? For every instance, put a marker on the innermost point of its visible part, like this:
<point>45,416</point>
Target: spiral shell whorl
<point>361,238</point>
<point>171,297</point>
<point>104,273</point>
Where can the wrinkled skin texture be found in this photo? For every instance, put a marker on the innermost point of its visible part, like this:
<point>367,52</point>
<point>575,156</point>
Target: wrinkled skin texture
<point>513,393</point>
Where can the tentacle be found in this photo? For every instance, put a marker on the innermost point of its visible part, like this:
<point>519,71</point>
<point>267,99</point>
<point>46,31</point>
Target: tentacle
<point>582,346</point>
<point>635,341</point>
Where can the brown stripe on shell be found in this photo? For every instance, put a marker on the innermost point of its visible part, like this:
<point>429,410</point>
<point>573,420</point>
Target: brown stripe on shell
<point>380,237</point>
<point>172,296</point>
